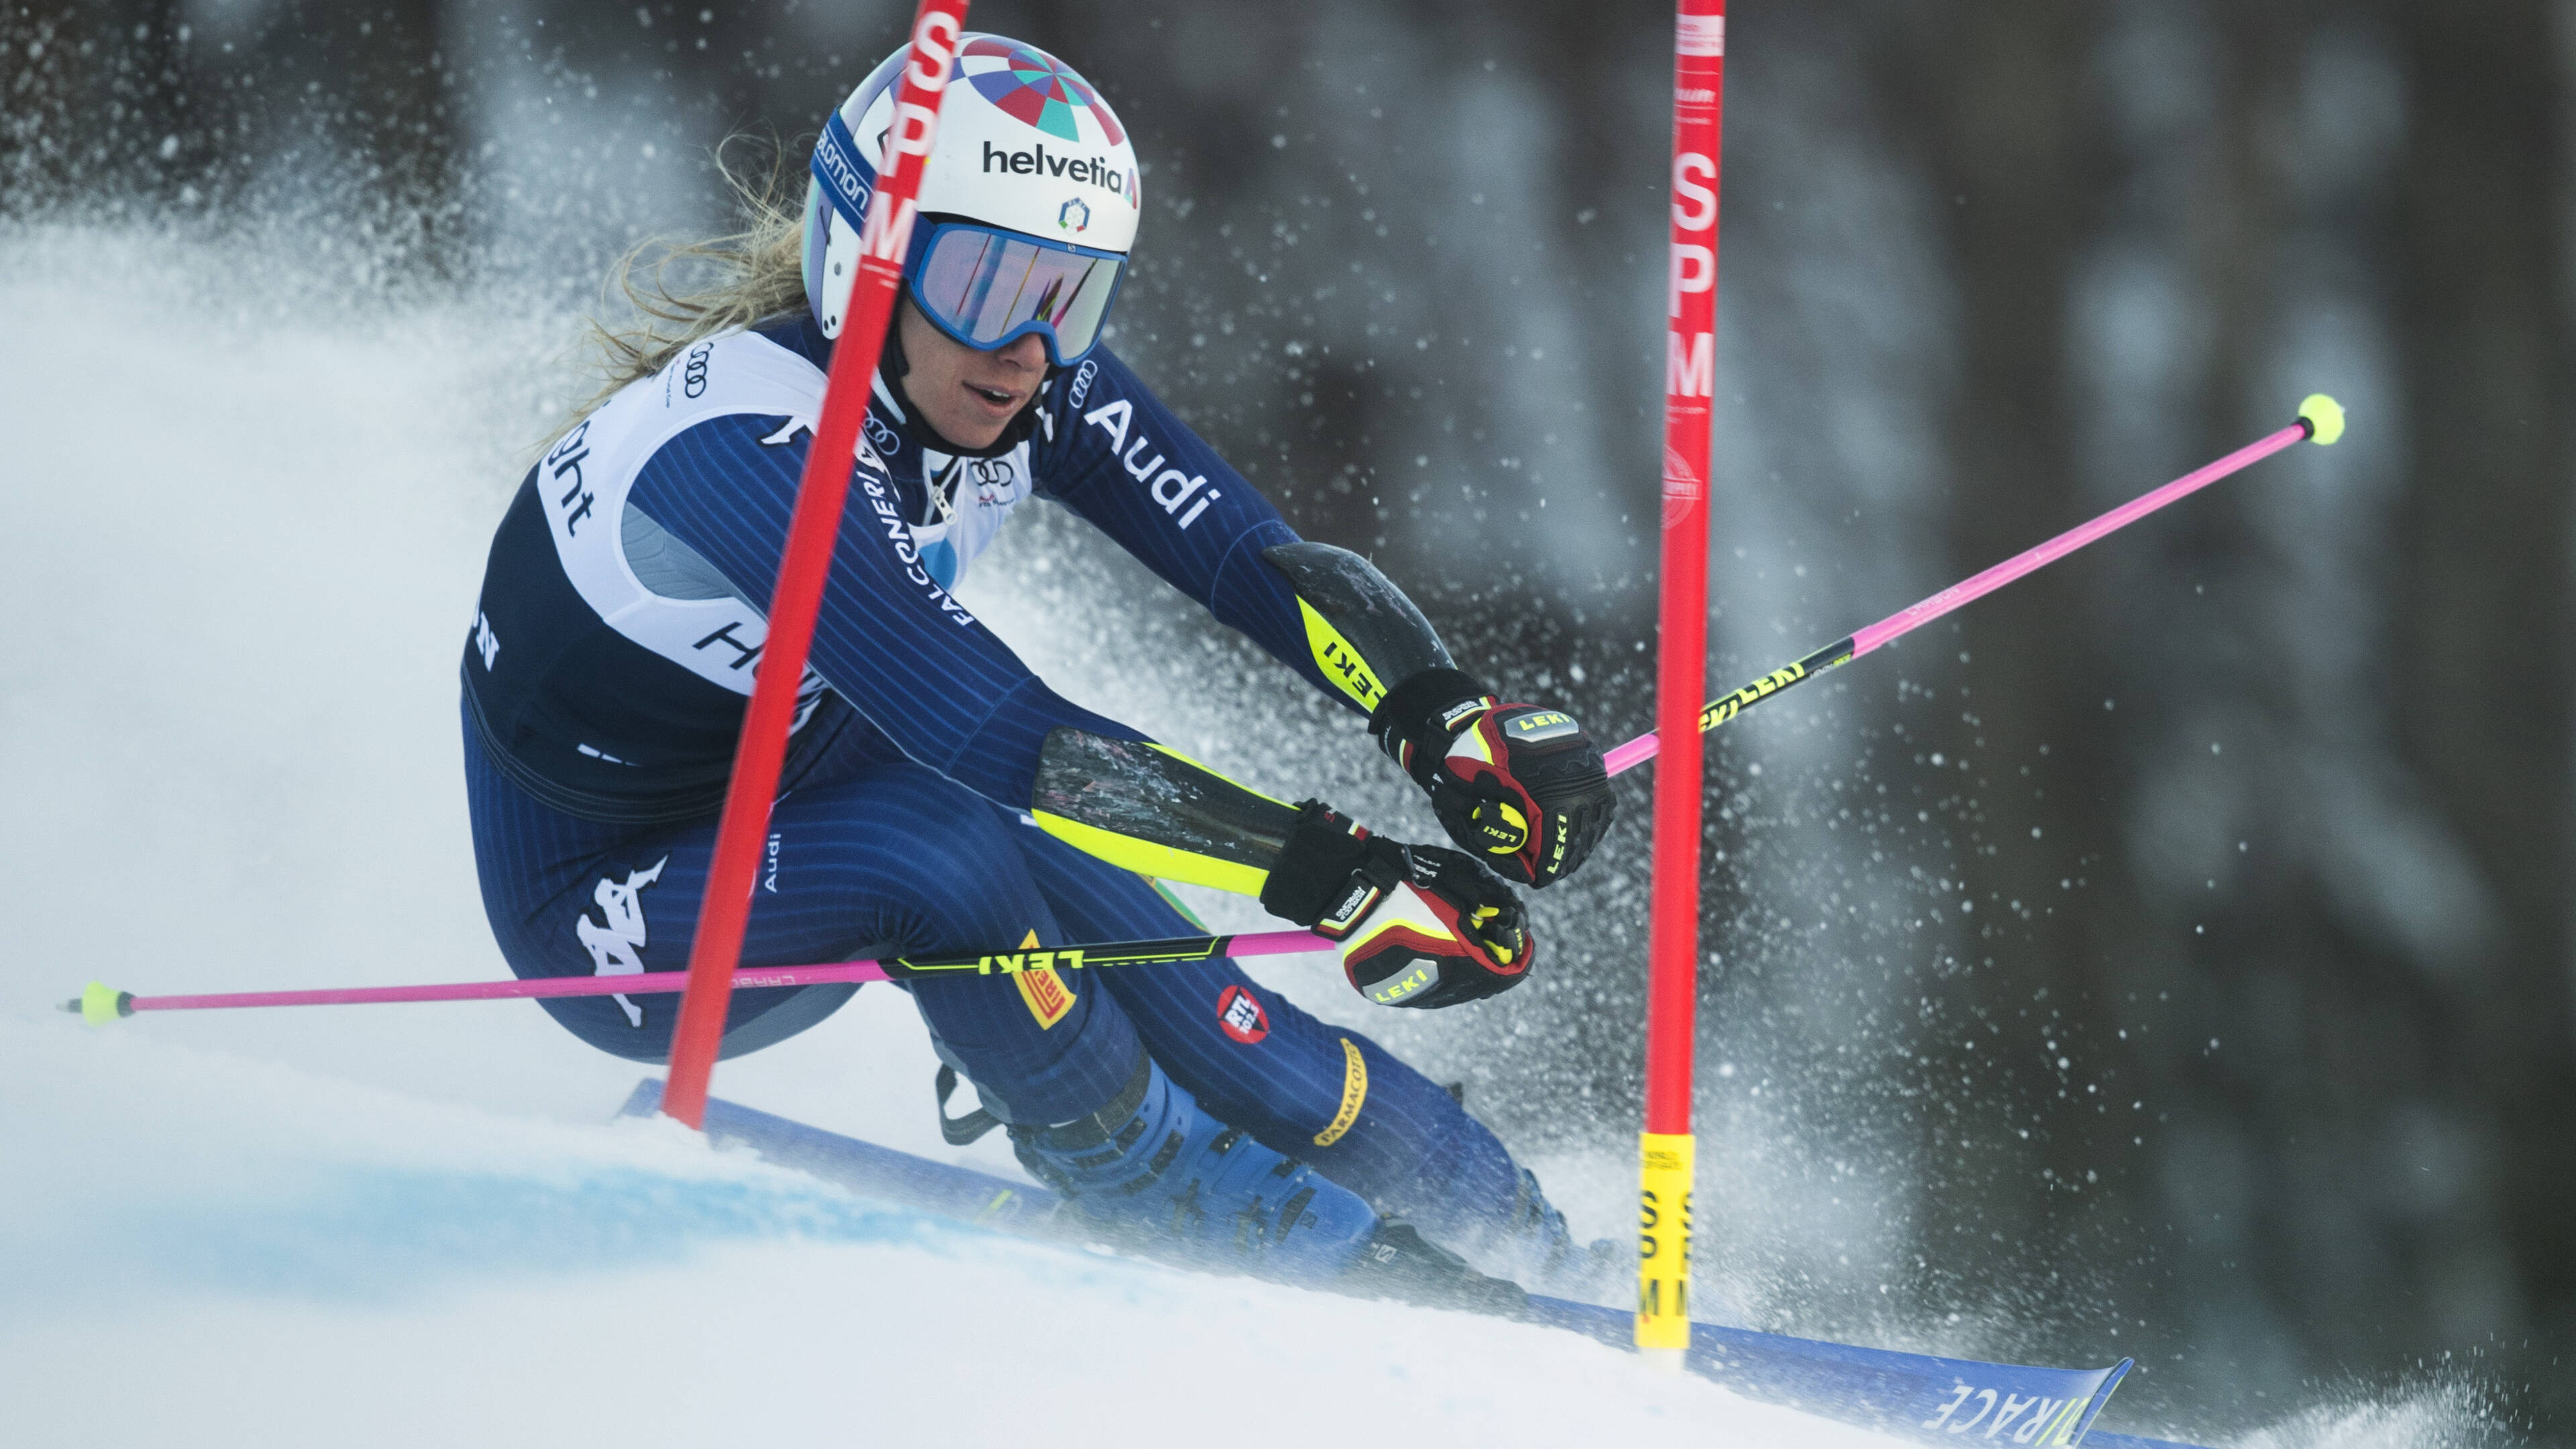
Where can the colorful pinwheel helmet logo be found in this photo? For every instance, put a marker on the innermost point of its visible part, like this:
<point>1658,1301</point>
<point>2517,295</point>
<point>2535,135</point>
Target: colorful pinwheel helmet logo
<point>1038,90</point>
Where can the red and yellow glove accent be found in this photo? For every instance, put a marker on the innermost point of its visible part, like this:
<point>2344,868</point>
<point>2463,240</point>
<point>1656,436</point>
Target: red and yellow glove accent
<point>1418,925</point>
<point>1519,786</point>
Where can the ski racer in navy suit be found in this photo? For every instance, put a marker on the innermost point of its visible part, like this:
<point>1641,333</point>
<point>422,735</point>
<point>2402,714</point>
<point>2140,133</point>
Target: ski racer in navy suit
<point>938,797</point>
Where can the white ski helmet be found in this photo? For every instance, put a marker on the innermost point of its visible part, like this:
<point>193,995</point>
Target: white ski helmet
<point>1028,203</point>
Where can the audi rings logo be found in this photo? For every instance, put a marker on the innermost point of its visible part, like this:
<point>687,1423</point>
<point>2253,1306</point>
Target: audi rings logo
<point>1081,383</point>
<point>881,436</point>
<point>693,372</point>
<point>994,478</point>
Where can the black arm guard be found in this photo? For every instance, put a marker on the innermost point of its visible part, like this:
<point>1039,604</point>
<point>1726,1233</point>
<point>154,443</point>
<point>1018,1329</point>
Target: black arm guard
<point>1147,809</point>
<point>1365,634</point>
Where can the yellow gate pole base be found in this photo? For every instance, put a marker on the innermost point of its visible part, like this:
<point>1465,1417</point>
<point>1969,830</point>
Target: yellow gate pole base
<point>1663,1246</point>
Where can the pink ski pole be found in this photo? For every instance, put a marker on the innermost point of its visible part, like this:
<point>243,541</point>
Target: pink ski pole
<point>101,1004</point>
<point>2319,418</point>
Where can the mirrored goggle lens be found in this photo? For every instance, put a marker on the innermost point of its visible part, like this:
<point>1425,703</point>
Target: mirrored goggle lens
<point>983,285</point>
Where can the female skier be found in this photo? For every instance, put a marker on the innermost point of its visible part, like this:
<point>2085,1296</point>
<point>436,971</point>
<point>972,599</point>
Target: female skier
<point>938,797</point>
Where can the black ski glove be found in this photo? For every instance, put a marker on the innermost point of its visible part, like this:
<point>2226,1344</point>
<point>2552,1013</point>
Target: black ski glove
<point>1521,788</point>
<point>1417,925</point>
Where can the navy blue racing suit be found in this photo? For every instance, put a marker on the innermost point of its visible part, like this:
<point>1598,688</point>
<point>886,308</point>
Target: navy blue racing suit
<point>609,663</point>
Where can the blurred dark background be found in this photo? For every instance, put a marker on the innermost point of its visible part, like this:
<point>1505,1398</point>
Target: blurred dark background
<point>2176,946</point>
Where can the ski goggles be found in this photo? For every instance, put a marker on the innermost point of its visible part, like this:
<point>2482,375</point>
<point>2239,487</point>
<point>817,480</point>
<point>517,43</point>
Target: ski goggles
<point>987,288</point>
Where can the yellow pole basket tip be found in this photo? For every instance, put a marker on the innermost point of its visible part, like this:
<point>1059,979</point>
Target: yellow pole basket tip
<point>2324,417</point>
<point>101,1003</point>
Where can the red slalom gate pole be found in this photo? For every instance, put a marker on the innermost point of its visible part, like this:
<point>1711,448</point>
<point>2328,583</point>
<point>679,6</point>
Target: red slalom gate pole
<point>806,563</point>
<point>1681,669</point>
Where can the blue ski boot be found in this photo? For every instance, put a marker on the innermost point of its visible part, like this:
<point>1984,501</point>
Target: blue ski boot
<point>1153,1171</point>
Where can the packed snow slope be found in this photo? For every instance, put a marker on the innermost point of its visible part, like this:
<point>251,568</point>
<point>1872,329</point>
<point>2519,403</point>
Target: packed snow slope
<point>245,511</point>
<point>209,1250</point>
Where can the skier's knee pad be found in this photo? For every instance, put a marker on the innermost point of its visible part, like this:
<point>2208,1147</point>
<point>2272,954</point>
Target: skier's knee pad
<point>1153,1168</point>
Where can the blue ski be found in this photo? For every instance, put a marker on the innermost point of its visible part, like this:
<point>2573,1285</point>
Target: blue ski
<point>1938,1400</point>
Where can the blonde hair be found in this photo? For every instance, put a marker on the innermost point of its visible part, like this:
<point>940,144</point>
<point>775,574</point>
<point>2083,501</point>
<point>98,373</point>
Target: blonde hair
<point>728,281</point>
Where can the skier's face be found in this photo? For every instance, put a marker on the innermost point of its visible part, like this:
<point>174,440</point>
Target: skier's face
<point>966,395</point>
